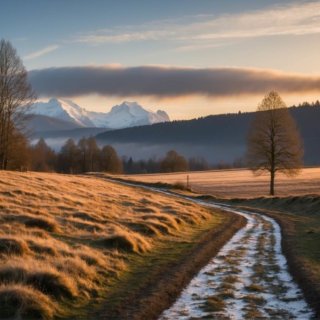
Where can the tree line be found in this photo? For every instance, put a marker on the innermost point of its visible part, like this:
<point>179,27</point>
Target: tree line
<point>87,156</point>
<point>73,158</point>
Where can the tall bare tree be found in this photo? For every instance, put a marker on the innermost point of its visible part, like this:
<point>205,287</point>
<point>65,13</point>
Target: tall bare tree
<point>15,95</point>
<point>274,143</point>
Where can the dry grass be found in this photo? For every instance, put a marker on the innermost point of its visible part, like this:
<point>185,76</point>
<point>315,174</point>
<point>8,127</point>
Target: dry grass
<point>24,302</point>
<point>64,239</point>
<point>239,183</point>
<point>214,304</point>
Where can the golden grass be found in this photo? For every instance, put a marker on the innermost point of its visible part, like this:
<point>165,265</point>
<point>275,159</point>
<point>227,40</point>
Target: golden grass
<point>238,183</point>
<point>24,302</point>
<point>64,239</point>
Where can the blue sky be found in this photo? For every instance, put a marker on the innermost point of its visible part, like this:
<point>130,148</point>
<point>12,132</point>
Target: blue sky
<point>269,35</point>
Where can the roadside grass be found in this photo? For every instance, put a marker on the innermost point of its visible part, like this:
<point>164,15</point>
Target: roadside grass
<point>67,243</point>
<point>155,278</point>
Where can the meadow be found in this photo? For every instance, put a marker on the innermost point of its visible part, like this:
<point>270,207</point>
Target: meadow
<point>70,242</point>
<point>296,207</point>
<point>239,183</point>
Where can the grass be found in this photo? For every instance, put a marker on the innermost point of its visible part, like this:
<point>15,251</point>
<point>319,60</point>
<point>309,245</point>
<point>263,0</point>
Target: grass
<point>67,243</point>
<point>12,246</point>
<point>214,304</point>
<point>155,279</point>
<point>254,299</point>
<point>296,207</point>
<point>24,302</point>
<point>237,183</point>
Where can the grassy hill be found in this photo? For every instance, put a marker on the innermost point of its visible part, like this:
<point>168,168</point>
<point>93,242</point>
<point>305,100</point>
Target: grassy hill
<point>68,243</point>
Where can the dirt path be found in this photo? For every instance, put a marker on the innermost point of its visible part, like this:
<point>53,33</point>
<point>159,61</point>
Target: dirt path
<point>248,279</point>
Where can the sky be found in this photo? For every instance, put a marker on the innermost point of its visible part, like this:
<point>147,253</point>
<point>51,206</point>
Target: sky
<point>190,58</point>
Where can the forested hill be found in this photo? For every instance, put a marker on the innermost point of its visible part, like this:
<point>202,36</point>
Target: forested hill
<point>217,137</point>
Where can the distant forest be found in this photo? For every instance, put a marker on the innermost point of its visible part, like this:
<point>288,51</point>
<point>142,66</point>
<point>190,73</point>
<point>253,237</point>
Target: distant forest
<point>216,138</point>
<point>98,154</point>
<point>87,156</point>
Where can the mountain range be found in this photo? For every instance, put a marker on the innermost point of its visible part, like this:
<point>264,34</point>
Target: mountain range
<point>55,113</point>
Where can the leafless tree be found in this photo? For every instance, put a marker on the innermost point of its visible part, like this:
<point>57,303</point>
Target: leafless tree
<point>15,95</point>
<point>274,143</point>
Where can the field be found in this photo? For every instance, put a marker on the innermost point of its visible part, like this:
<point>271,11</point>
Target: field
<point>239,183</point>
<point>296,207</point>
<point>70,242</point>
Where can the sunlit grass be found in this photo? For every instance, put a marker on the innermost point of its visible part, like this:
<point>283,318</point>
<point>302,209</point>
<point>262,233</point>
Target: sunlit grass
<point>67,240</point>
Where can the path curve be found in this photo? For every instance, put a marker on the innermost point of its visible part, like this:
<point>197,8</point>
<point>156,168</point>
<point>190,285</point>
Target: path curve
<point>248,279</point>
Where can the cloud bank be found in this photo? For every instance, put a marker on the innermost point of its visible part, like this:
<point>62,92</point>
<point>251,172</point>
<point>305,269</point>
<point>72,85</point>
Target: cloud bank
<point>166,81</point>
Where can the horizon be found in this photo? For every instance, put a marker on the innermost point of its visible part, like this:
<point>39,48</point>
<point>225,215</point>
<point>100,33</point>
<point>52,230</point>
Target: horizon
<point>147,108</point>
<point>190,60</point>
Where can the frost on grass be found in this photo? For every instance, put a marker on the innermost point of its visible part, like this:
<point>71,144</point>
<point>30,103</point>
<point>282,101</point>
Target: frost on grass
<point>248,279</point>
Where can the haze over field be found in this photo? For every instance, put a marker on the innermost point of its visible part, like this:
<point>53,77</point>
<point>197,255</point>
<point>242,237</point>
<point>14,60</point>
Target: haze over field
<point>240,183</point>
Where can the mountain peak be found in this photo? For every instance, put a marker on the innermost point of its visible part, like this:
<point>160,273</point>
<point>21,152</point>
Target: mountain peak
<point>64,110</point>
<point>126,114</point>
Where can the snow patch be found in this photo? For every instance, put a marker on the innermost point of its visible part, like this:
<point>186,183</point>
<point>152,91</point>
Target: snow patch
<point>127,114</point>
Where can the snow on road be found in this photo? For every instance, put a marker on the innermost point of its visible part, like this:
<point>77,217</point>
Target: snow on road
<point>248,279</point>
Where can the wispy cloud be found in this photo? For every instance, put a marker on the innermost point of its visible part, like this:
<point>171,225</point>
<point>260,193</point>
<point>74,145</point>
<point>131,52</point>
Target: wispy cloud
<point>165,82</point>
<point>298,18</point>
<point>42,52</point>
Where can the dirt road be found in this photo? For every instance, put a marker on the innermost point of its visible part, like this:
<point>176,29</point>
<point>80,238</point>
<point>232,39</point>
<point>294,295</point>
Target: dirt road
<point>248,279</point>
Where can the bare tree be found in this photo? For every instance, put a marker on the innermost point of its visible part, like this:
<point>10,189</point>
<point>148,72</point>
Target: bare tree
<point>15,95</point>
<point>274,143</point>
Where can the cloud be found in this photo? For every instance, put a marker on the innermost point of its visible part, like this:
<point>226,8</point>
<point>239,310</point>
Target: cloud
<point>42,52</point>
<point>166,81</point>
<point>297,18</point>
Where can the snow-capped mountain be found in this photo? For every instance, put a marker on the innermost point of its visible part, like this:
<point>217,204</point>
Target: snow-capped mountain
<point>127,114</point>
<point>63,110</point>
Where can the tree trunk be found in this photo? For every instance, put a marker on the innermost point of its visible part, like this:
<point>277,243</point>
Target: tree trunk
<point>272,174</point>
